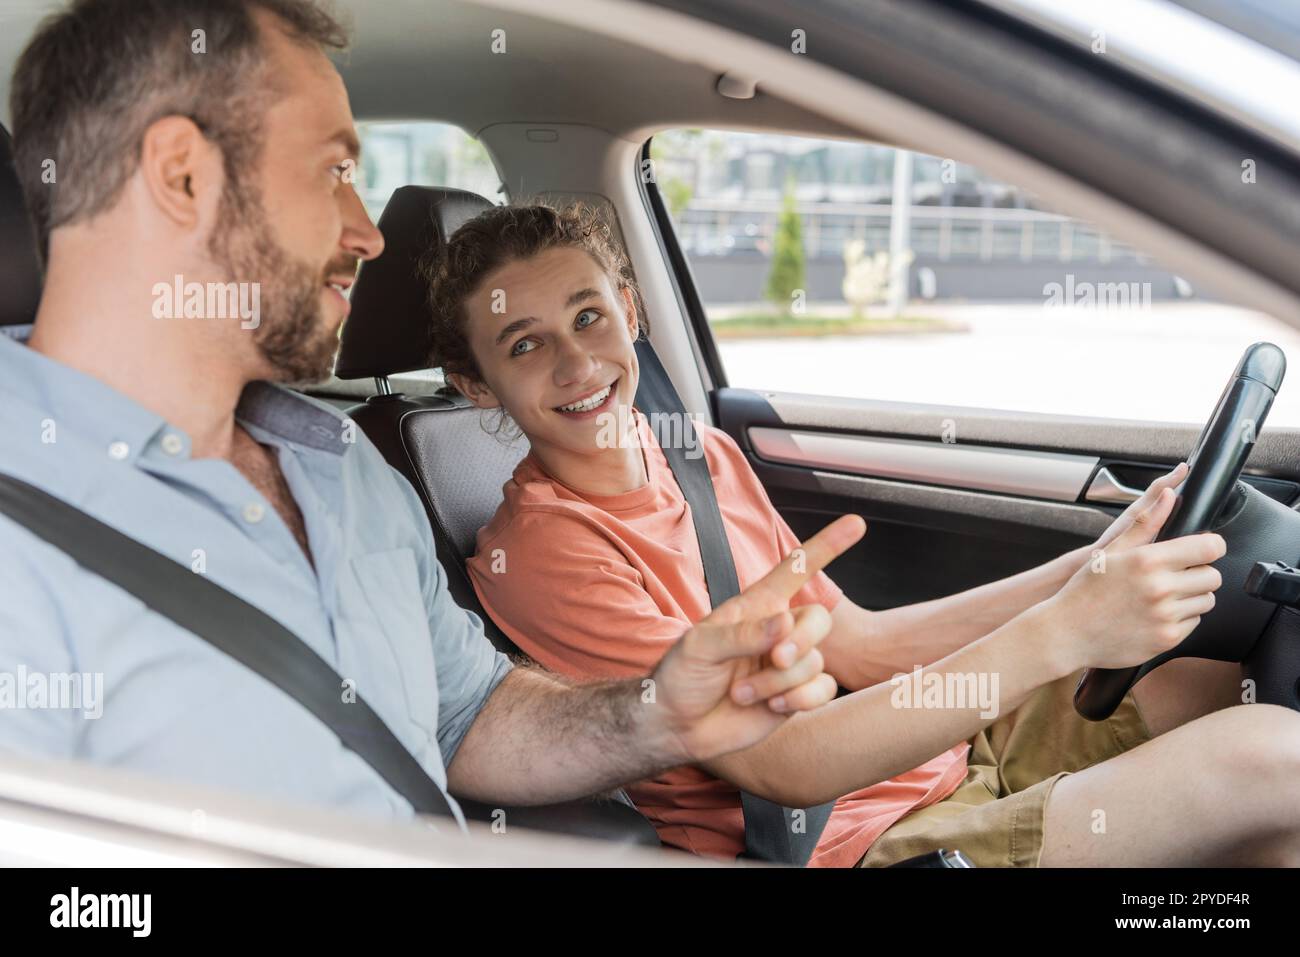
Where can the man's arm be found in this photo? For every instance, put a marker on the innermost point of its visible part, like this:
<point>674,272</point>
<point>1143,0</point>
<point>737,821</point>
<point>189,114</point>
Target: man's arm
<point>32,639</point>
<point>541,739</point>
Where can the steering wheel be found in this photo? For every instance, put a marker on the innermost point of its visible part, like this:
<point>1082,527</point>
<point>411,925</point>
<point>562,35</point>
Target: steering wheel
<point>1209,497</point>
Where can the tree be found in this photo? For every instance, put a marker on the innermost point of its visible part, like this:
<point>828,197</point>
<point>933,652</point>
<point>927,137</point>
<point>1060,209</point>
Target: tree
<point>787,273</point>
<point>681,145</point>
<point>677,194</point>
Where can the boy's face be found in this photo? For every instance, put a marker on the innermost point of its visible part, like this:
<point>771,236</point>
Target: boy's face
<point>553,338</point>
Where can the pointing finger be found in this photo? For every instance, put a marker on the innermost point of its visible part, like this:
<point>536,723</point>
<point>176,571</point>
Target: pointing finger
<point>777,587</point>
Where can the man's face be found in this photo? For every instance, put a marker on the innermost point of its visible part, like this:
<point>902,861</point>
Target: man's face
<point>547,333</point>
<point>295,225</point>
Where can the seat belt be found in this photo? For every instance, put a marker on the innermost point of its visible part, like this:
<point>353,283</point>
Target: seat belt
<point>772,832</point>
<point>229,624</point>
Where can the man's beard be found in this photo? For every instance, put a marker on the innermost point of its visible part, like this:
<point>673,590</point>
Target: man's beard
<point>292,335</point>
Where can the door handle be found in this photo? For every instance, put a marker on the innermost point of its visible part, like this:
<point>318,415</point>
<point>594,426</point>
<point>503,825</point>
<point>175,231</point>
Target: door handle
<point>1106,487</point>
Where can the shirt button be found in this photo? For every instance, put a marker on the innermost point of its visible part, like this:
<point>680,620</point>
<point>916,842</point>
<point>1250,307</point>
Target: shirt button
<point>173,444</point>
<point>119,451</point>
<point>254,513</point>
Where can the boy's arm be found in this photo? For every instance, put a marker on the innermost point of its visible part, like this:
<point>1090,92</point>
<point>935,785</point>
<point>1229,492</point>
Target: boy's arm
<point>866,647</point>
<point>1142,600</point>
<point>867,737</point>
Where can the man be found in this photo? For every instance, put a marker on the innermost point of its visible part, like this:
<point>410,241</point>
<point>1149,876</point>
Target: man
<point>211,142</point>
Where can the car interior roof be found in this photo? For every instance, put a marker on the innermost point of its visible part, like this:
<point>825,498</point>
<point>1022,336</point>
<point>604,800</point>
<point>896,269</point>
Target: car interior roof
<point>416,59</point>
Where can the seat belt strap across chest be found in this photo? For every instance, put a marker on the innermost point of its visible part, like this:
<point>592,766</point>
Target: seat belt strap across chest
<point>772,832</point>
<point>228,623</point>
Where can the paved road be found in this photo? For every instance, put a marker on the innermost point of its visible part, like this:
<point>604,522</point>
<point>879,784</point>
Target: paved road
<point>1166,363</point>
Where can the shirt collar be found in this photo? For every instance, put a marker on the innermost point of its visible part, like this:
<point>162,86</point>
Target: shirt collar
<point>294,418</point>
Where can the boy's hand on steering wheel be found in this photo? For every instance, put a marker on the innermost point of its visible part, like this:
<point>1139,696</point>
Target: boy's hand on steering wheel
<point>1141,504</point>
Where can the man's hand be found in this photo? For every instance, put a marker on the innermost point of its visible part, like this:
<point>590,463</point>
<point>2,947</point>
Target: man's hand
<point>1141,505</point>
<point>735,677</point>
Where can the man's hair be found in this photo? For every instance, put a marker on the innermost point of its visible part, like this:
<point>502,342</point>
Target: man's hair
<point>97,74</point>
<point>502,235</point>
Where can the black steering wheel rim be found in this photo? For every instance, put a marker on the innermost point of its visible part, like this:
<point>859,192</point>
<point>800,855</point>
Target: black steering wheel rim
<point>1214,468</point>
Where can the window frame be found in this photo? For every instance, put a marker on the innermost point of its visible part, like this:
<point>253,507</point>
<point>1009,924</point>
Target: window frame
<point>679,271</point>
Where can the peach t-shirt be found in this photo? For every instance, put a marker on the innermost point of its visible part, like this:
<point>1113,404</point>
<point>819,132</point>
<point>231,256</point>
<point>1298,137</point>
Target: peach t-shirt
<point>600,586</point>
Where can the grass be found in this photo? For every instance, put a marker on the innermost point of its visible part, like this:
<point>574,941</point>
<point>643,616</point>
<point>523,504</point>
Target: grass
<point>760,325</point>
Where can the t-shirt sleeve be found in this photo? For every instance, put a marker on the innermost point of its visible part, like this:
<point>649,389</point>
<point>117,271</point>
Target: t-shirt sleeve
<point>568,597</point>
<point>820,588</point>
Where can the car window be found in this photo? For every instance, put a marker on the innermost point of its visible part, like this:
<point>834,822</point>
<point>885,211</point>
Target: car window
<point>421,154</point>
<point>970,292</point>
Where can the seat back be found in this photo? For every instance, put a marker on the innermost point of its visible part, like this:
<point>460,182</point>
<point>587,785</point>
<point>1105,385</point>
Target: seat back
<point>20,271</point>
<point>439,445</point>
<point>439,442</point>
<point>464,467</point>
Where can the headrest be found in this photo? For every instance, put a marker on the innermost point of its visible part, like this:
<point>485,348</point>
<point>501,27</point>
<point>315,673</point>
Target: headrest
<point>20,269</point>
<point>388,328</point>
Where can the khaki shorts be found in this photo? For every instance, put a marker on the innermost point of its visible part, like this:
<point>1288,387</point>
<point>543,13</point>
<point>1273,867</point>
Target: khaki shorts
<point>995,817</point>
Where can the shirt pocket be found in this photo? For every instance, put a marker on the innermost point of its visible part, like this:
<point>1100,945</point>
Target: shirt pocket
<point>403,649</point>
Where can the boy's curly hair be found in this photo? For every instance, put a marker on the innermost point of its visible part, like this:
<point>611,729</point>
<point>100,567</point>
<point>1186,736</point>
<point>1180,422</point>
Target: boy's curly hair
<point>502,235</point>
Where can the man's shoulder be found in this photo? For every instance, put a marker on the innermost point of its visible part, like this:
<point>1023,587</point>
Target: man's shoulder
<point>39,449</point>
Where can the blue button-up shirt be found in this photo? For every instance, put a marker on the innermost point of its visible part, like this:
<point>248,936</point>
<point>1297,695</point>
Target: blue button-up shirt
<point>375,606</point>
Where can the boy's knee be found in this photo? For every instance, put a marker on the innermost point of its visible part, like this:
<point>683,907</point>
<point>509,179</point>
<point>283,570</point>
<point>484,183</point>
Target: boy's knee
<point>1255,743</point>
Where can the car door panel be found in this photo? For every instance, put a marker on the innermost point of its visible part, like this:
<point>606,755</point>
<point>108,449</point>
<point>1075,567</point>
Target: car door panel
<point>955,497</point>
